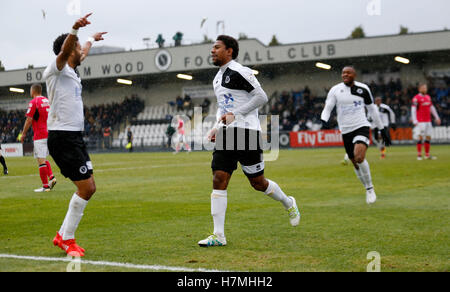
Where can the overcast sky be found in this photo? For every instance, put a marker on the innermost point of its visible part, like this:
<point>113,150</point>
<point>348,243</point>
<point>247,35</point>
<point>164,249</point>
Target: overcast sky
<point>26,37</point>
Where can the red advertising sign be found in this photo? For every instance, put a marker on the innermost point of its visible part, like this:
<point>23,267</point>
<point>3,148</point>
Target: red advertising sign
<point>322,138</point>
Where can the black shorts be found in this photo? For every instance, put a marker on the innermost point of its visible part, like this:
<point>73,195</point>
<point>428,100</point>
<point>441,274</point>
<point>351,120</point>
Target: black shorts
<point>69,151</point>
<point>244,146</point>
<point>361,135</point>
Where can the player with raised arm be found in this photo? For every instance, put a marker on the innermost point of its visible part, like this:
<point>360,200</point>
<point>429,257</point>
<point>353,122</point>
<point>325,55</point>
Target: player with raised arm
<point>237,136</point>
<point>65,128</point>
<point>421,110</point>
<point>351,98</point>
<point>36,115</point>
<point>387,117</point>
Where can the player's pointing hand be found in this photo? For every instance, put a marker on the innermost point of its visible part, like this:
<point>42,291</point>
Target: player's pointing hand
<point>99,36</point>
<point>82,22</point>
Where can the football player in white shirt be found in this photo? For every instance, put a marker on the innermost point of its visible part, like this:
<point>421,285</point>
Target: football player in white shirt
<point>237,136</point>
<point>387,117</point>
<point>65,126</point>
<point>351,98</point>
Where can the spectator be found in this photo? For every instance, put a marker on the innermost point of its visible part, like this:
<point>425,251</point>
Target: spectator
<point>179,103</point>
<point>205,105</point>
<point>187,102</point>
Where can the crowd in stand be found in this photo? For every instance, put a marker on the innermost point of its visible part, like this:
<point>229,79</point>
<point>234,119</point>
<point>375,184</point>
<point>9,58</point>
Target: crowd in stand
<point>11,125</point>
<point>301,110</point>
<point>298,110</point>
<point>99,120</point>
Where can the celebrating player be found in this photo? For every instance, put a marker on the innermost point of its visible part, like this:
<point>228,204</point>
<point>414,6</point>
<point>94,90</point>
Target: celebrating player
<point>181,136</point>
<point>37,114</point>
<point>65,126</point>
<point>421,110</point>
<point>387,117</point>
<point>350,97</point>
<point>237,135</point>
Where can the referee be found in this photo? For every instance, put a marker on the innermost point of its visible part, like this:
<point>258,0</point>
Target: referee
<point>66,125</point>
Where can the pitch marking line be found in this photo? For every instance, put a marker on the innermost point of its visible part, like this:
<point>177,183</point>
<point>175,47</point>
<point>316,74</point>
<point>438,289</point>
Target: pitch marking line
<point>109,264</point>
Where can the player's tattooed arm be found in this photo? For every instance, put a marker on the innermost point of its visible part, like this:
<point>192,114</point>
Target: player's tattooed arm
<point>70,42</point>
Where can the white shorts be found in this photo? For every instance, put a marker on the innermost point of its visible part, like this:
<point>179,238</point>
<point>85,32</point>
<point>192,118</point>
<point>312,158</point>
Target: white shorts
<point>181,138</point>
<point>422,129</point>
<point>40,148</point>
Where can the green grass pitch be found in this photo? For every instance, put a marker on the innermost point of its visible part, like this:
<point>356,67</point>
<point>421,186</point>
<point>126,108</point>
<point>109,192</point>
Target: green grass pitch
<point>152,208</point>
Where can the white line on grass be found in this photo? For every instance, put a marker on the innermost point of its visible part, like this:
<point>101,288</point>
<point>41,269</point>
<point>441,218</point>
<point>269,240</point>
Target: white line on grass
<point>109,264</point>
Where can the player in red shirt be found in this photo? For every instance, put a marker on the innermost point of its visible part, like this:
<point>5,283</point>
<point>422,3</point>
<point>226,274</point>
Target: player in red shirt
<point>181,136</point>
<point>37,114</point>
<point>421,110</point>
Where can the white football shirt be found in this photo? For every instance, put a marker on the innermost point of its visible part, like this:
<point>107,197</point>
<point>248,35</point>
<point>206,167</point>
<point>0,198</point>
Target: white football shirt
<point>64,95</point>
<point>232,86</point>
<point>387,116</point>
<point>350,105</point>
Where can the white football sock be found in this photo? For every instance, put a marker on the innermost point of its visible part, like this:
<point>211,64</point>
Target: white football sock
<point>218,210</point>
<point>73,217</point>
<point>61,229</point>
<point>275,192</point>
<point>364,174</point>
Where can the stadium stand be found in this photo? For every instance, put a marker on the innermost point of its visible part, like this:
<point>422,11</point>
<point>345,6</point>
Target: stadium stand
<point>110,116</point>
<point>300,110</point>
<point>11,124</point>
<point>106,124</point>
<point>150,126</point>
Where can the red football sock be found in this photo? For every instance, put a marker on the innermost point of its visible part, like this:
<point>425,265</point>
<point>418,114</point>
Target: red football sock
<point>427,148</point>
<point>419,148</point>
<point>44,174</point>
<point>49,169</point>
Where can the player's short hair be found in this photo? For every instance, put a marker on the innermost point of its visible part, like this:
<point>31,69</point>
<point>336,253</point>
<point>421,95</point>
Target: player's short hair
<point>230,42</point>
<point>58,43</point>
<point>37,88</point>
<point>349,66</point>
<point>422,84</point>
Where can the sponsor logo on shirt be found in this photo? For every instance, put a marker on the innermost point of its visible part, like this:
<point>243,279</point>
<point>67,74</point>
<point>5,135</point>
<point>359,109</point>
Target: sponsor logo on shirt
<point>228,97</point>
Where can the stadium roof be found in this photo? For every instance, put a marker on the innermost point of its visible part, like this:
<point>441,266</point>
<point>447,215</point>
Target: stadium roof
<point>252,52</point>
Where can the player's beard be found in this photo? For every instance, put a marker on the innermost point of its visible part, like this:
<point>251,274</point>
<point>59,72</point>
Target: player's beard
<point>218,62</point>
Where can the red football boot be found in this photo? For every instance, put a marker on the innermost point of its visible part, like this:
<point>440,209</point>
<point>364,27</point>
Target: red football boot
<point>58,240</point>
<point>72,248</point>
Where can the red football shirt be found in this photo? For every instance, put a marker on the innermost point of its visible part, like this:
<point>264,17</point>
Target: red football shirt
<point>38,110</point>
<point>180,127</point>
<point>423,106</point>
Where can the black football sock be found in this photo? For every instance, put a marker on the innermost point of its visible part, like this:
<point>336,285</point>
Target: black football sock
<point>2,161</point>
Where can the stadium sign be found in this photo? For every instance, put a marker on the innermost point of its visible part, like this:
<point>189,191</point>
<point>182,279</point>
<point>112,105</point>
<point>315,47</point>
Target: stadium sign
<point>12,150</point>
<point>322,138</point>
<point>252,52</point>
<point>163,60</point>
